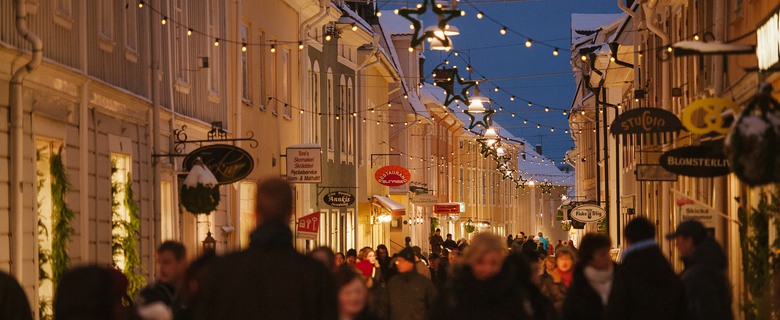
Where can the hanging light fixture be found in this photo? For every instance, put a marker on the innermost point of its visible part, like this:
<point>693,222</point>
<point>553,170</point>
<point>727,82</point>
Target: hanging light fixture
<point>438,45</point>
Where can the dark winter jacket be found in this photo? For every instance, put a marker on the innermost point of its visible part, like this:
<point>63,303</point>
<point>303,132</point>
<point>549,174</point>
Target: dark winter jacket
<point>406,296</point>
<point>268,281</point>
<point>706,285</point>
<point>13,301</point>
<point>450,244</point>
<point>646,287</point>
<point>466,298</point>
<point>582,301</point>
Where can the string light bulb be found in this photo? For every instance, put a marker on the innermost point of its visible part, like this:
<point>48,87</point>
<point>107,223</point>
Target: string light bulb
<point>189,32</point>
<point>584,57</point>
<point>354,26</point>
<point>564,112</point>
<point>503,31</point>
<point>496,89</point>
<point>300,45</point>
<point>328,37</point>
<point>546,109</point>
<point>216,42</point>
<point>379,13</point>
<point>411,49</point>
<point>273,48</point>
<point>555,52</point>
<point>512,98</point>
<point>243,47</point>
<point>164,20</point>
<point>525,121</point>
<point>669,49</point>
<point>480,15</point>
<point>529,43</point>
<point>552,129</point>
<point>530,104</point>
<point>696,37</point>
<point>140,4</point>
<point>537,125</point>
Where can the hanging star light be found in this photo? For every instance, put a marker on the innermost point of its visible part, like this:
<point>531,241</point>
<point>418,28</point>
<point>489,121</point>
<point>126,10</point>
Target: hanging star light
<point>445,15</point>
<point>520,182</point>
<point>546,187</point>
<point>446,79</point>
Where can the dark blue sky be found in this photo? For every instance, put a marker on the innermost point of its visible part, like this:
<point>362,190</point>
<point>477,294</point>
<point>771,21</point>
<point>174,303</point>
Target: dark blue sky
<point>499,56</point>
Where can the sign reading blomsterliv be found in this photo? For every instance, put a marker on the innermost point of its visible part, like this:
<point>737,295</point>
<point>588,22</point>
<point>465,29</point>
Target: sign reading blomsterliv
<point>304,163</point>
<point>696,161</point>
<point>587,213</point>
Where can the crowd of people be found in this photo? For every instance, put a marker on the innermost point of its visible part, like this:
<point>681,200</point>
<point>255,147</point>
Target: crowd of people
<point>487,277</point>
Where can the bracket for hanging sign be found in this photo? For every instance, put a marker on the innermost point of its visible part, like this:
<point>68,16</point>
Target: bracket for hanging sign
<point>215,135</point>
<point>377,156</point>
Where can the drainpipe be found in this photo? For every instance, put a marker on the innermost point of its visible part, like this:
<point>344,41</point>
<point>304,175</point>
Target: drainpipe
<point>303,55</point>
<point>155,74</point>
<point>665,220</point>
<point>17,139</point>
<point>375,44</point>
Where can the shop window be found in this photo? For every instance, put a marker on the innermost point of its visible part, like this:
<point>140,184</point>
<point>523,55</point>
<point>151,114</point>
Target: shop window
<point>248,222</point>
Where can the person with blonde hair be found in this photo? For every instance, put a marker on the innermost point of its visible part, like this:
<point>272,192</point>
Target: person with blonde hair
<point>481,287</point>
<point>368,265</point>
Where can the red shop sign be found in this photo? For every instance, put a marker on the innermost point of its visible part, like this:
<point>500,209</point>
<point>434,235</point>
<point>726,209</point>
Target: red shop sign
<point>309,226</point>
<point>392,176</point>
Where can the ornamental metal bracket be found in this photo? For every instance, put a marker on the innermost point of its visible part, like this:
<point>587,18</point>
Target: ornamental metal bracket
<point>216,135</point>
<point>377,156</point>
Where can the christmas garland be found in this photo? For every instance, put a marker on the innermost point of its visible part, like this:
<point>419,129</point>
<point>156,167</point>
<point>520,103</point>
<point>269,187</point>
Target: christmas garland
<point>760,262</point>
<point>62,216</point>
<point>123,234</point>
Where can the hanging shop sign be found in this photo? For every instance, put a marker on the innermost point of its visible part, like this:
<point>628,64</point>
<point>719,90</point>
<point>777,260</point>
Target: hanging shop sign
<point>228,163</point>
<point>446,208</point>
<point>690,210</point>
<point>304,163</point>
<point>587,213</point>
<point>705,116</point>
<point>425,200</point>
<point>652,125</point>
<point>696,161</point>
<point>339,199</point>
<point>309,226</point>
<point>654,172</point>
<point>392,176</point>
<point>768,42</point>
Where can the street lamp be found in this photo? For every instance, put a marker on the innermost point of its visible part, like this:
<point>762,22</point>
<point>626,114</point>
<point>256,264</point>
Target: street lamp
<point>209,244</point>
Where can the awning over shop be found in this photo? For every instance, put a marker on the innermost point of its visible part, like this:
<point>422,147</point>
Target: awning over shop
<point>446,208</point>
<point>388,204</point>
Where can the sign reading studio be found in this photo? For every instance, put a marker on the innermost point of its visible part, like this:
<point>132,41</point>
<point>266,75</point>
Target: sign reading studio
<point>653,124</point>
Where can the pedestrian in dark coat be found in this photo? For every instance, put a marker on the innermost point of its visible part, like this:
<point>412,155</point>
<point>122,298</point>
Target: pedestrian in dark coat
<point>407,295</point>
<point>480,287</point>
<point>706,285</point>
<point>13,301</point>
<point>593,275</point>
<point>645,286</point>
<point>269,280</point>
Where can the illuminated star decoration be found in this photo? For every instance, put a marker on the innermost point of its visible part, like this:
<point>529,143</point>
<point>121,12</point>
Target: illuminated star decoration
<point>486,120</point>
<point>445,16</point>
<point>546,187</point>
<point>520,182</point>
<point>446,79</point>
<point>488,149</point>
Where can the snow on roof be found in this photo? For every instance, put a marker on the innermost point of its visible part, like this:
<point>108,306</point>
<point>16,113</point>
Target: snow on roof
<point>712,47</point>
<point>395,24</point>
<point>539,168</point>
<point>354,17</point>
<point>585,25</point>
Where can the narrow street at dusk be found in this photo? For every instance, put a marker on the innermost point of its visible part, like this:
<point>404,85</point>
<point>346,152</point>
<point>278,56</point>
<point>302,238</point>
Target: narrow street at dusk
<point>389,159</point>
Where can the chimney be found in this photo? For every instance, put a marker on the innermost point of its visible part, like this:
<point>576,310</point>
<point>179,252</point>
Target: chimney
<point>539,149</point>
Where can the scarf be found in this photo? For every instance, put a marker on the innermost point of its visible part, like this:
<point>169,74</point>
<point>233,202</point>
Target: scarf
<point>600,281</point>
<point>566,277</point>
